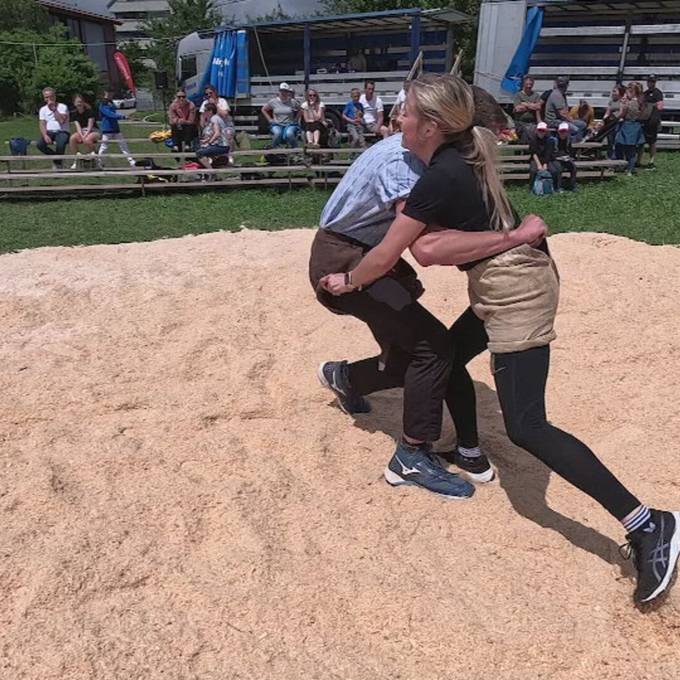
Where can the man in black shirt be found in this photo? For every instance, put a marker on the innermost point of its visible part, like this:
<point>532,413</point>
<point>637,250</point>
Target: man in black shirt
<point>564,156</point>
<point>542,150</point>
<point>654,96</point>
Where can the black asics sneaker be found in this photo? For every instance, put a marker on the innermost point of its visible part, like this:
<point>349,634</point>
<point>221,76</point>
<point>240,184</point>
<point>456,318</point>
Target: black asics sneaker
<point>333,375</point>
<point>476,469</point>
<point>655,550</point>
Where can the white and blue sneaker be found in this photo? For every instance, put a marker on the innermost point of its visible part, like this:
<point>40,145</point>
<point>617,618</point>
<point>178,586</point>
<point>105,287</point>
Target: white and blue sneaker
<point>334,376</point>
<point>418,466</point>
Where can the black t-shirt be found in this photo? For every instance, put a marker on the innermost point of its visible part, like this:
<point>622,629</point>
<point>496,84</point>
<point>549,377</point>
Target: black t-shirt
<point>543,147</point>
<point>653,96</point>
<point>449,195</point>
<point>83,118</point>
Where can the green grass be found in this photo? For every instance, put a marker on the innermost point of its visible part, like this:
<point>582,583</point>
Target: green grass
<point>646,208</point>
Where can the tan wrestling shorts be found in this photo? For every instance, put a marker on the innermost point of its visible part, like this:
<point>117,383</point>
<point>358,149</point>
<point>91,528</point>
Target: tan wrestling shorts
<point>515,294</point>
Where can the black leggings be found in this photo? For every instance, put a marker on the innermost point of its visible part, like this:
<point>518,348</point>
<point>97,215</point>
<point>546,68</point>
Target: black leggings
<point>521,379</point>
<point>520,382</point>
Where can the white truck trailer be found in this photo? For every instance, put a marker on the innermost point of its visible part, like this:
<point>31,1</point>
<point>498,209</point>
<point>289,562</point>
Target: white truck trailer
<point>595,43</point>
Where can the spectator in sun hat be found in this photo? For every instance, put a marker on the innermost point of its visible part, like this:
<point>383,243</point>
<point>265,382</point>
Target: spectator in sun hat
<point>653,96</point>
<point>565,157</point>
<point>282,112</point>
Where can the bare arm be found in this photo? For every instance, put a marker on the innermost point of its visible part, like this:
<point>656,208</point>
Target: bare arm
<point>43,130</point>
<point>61,117</point>
<point>404,231</point>
<point>266,112</point>
<point>449,247</point>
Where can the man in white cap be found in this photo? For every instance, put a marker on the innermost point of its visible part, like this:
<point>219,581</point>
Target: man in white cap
<point>565,157</point>
<point>543,155</point>
<point>283,114</point>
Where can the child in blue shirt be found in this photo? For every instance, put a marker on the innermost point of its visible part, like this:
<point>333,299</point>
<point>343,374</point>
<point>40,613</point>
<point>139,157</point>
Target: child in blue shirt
<point>353,114</point>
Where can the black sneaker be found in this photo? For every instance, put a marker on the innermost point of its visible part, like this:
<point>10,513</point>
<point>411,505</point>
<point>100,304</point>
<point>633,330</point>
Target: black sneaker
<point>333,375</point>
<point>477,468</point>
<point>655,550</point>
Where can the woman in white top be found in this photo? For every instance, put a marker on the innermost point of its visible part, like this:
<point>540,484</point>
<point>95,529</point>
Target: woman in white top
<point>313,117</point>
<point>215,140</point>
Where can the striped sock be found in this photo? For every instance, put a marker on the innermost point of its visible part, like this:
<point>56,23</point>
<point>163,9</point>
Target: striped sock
<point>637,519</point>
<point>474,452</point>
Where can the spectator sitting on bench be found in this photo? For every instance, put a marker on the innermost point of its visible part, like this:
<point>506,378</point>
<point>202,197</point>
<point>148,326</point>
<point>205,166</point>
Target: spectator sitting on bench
<point>373,111</point>
<point>313,117</point>
<point>542,150</point>
<point>585,112</point>
<point>210,95</point>
<point>182,118</point>
<point>352,115</point>
<point>556,111</point>
<point>87,132</point>
<point>527,110</point>
<point>565,157</point>
<point>108,117</point>
<point>214,140</point>
<point>282,113</point>
<point>53,121</point>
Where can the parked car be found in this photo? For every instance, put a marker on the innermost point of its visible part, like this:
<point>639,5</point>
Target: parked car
<point>125,101</point>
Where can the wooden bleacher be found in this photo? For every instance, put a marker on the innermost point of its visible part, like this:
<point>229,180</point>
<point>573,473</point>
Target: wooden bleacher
<point>299,167</point>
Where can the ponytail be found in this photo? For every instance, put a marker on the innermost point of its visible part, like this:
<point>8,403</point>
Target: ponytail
<point>482,155</point>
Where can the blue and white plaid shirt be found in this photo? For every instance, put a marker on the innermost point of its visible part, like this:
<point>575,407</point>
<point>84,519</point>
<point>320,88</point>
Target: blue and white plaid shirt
<point>362,205</point>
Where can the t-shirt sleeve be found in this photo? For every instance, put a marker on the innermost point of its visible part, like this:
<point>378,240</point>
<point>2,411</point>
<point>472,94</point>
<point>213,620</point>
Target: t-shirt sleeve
<point>62,108</point>
<point>428,198</point>
<point>304,106</point>
<point>379,105</point>
<point>42,114</point>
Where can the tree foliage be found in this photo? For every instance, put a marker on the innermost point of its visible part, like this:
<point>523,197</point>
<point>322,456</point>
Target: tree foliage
<point>22,14</point>
<point>465,34</point>
<point>185,17</point>
<point>44,59</point>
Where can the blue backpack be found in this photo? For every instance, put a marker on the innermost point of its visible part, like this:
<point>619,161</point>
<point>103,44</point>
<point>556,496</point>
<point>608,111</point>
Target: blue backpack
<point>543,184</point>
<point>18,146</point>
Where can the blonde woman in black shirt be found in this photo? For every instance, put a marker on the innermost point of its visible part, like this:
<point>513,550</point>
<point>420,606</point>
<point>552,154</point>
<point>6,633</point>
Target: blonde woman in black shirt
<point>513,300</point>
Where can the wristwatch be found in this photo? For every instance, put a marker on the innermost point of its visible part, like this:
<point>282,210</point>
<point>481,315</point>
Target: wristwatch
<point>348,281</point>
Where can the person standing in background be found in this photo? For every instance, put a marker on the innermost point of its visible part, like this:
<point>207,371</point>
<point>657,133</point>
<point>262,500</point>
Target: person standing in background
<point>653,96</point>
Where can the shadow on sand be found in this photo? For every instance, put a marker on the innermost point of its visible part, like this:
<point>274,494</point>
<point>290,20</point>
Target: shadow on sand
<point>522,477</point>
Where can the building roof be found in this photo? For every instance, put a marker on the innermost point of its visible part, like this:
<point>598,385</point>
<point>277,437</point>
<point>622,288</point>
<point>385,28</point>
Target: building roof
<point>77,12</point>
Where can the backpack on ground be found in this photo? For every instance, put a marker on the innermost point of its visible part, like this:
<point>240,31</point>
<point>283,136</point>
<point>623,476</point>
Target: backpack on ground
<point>543,184</point>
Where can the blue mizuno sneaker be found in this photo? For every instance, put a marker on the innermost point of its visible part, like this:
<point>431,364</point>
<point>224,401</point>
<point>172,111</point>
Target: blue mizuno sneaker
<point>420,467</point>
<point>333,375</point>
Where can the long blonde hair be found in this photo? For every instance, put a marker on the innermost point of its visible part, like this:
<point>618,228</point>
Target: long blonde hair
<point>448,101</point>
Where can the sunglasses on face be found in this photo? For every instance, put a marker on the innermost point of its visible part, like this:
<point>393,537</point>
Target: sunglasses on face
<point>181,96</point>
